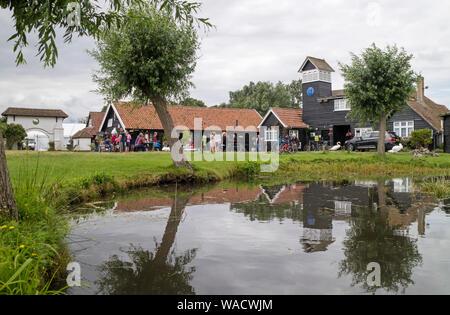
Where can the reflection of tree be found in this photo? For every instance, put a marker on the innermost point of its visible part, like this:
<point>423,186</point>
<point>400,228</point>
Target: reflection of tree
<point>159,272</point>
<point>371,239</point>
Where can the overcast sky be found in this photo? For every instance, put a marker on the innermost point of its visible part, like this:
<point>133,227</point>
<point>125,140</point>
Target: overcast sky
<point>254,40</point>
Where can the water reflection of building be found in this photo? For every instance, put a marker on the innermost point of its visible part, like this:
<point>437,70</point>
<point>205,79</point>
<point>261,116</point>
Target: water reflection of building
<point>317,205</point>
<point>214,196</point>
<point>317,230</point>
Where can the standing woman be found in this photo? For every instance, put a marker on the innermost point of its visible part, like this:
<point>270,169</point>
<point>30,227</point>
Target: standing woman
<point>224,141</point>
<point>128,141</point>
<point>212,142</point>
<point>147,141</point>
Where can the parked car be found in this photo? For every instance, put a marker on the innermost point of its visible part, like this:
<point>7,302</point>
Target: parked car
<point>370,141</point>
<point>31,144</point>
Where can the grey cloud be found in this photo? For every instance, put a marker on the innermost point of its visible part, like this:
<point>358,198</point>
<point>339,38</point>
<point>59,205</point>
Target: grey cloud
<point>254,40</point>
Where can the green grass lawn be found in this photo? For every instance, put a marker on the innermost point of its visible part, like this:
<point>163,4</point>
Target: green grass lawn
<point>67,166</point>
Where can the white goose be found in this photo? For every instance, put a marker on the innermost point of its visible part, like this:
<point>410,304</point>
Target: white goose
<point>336,147</point>
<point>396,149</point>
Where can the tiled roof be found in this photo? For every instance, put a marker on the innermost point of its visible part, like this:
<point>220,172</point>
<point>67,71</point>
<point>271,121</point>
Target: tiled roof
<point>145,117</point>
<point>84,133</point>
<point>430,111</point>
<point>320,64</point>
<point>97,118</point>
<point>290,117</point>
<point>35,112</point>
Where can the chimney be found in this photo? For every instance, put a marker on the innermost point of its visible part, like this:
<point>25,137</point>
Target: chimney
<point>420,89</point>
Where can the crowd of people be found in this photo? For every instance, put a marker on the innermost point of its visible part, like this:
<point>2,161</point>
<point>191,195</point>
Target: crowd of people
<point>289,143</point>
<point>123,141</point>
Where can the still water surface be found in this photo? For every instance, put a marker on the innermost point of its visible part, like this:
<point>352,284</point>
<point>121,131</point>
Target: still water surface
<point>310,238</point>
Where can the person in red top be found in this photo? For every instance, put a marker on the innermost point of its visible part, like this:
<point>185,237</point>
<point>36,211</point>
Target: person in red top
<point>113,141</point>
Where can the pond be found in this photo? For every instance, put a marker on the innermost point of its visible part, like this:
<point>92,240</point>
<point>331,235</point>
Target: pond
<point>234,238</point>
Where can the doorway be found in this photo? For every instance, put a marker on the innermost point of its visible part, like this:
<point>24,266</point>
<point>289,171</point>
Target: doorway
<point>339,133</point>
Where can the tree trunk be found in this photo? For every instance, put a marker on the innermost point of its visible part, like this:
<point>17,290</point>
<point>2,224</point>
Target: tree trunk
<point>7,200</point>
<point>381,148</point>
<point>166,120</point>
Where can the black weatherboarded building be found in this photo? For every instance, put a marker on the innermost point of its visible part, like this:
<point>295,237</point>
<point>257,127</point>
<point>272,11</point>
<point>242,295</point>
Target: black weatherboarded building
<point>446,126</point>
<point>325,110</point>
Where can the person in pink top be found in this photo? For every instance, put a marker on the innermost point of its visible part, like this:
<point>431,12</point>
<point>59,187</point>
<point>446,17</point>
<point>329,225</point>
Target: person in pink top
<point>128,141</point>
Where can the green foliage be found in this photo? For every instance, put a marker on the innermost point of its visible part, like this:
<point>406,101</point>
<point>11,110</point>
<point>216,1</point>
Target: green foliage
<point>51,146</point>
<point>378,82</point>
<point>264,95</point>
<point>248,170</point>
<point>421,138</point>
<point>406,143</point>
<point>192,102</point>
<point>44,17</point>
<point>14,134</point>
<point>31,249</point>
<point>99,179</point>
<point>439,187</point>
<point>149,55</point>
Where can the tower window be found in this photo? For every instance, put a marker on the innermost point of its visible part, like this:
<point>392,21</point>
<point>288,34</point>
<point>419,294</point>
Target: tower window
<point>341,105</point>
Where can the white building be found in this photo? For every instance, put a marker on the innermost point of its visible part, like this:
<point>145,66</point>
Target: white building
<point>41,125</point>
<point>82,140</point>
<point>70,130</point>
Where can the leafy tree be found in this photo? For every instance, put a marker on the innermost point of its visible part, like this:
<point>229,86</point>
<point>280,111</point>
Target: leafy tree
<point>14,134</point>
<point>295,88</point>
<point>264,95</point>
<point>192,102</point>
<point>378,83</point>
<point>150,58</point>
<point>43,17</point>
<point>46,16</point>
<point>421,138</point>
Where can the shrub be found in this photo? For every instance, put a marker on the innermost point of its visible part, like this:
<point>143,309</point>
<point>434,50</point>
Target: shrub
<point>248,170</point>
<point>406,143</point>
<point>14,134</point>
<point>421,138</point>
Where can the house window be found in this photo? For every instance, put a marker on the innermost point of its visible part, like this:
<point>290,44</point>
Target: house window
<point>316,75</point>
<point>110,121</point>
<point>325,76</point>
<point>403,128</point>
<point>342,207</point>
<point>293,132</point>
<point>271,135</point>
<point>310,76</point>
<point>90,123</point>
<point>341,105</point>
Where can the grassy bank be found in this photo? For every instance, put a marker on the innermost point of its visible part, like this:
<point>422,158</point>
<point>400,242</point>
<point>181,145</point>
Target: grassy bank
<point>78,177</point>
<point>32,249</point>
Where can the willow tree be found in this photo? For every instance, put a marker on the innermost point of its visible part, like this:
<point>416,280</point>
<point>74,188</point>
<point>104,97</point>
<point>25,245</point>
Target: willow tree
<point>378,83</point>
<point>79,17</point>
<point>148,58</point>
